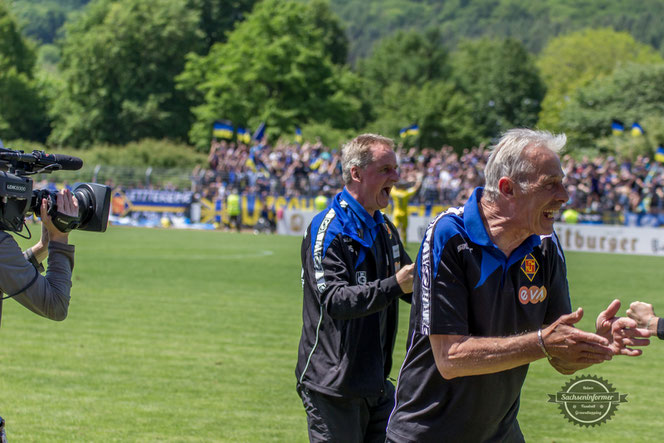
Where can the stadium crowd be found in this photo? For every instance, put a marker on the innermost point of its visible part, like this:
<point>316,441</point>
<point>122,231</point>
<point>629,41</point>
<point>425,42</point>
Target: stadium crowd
<point>604,187</point>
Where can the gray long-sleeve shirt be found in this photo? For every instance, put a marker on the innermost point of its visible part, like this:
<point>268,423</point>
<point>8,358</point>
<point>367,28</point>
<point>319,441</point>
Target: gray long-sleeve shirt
<point>48,295</point>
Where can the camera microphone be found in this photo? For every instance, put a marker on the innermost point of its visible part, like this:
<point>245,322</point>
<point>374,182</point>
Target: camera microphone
<point>42,159</point>
<point>66,162</point>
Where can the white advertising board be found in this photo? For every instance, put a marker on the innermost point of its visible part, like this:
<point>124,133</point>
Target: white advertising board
<point>611,239</point>
<point>294,222</point>
<point>580,237</point>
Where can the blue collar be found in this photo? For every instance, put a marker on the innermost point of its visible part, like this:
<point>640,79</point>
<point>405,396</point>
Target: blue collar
<point>361,215</point>
<point>355,220</point>
<point>492,256</point>
<point>473,220</point>
<point>477,232</point>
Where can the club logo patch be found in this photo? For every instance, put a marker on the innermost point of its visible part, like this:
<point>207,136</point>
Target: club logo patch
<point>533,294</point>
<point>361,277</point>
<point>529,266</point>
<point>464,247</point>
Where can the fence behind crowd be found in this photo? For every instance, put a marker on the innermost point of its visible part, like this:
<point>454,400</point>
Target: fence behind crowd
<point>149,207</point>
<point>141,205</point>
<point>127,176</point>
<point>291,216</point>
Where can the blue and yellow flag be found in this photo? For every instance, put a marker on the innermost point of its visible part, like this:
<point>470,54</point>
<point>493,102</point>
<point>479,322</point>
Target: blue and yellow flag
<point>637,130</point>
<point>222,129</point>
<point>251,163</point>
<point>316,163</point>
<point>659,154</point>
<point>617,127</point>
<point>298,135</point>
<point>409,130</point>
<point>243,135</point>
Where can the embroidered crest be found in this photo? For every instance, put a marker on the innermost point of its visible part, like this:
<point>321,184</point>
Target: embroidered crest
<point>464,247</point>
<point>529,266</point>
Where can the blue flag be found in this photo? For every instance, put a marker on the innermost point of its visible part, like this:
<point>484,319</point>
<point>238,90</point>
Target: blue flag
<point>259,133</point>
<point>637,129</point>
<point>659,154</point>
<point>243,135</point>
<point>409,130</point>
<point>222,129</point>
<point>298,135</point>
<point>617,127</point>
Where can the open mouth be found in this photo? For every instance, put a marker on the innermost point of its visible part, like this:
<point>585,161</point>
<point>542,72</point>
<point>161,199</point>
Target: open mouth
<point>386,191</point>
<point>548,214</point>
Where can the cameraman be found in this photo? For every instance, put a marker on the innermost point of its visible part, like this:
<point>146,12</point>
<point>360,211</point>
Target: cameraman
<point>20,276</point>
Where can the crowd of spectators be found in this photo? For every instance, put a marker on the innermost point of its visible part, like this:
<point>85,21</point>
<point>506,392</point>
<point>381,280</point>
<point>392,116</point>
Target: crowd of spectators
<point>604,186</point>
<point>290,170</point>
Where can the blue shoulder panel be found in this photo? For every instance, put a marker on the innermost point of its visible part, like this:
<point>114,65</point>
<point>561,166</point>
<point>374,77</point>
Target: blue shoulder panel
<point>441,229</point>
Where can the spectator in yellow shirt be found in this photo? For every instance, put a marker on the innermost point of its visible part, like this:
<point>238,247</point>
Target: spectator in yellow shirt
<point>401,195</point>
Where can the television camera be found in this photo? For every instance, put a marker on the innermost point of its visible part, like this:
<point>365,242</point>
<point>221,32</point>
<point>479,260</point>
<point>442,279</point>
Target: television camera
<point>18,198</point>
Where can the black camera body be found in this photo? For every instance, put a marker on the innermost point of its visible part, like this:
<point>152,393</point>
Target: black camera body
<point>18,198</point>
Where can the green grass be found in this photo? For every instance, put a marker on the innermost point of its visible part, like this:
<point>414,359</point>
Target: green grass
<point>192,336</point>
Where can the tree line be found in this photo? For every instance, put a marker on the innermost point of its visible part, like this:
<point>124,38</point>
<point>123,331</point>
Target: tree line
<point>167,69</point>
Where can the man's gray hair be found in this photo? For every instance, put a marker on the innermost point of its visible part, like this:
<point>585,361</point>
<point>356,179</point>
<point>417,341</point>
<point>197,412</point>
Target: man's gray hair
<point>357,152</point>
<point>506,159</point>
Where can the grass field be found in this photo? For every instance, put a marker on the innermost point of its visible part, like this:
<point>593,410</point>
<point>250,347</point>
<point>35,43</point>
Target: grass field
<point>192,336</point>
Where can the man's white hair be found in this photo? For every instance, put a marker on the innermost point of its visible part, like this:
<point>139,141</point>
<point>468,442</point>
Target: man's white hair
<point>507,159</point>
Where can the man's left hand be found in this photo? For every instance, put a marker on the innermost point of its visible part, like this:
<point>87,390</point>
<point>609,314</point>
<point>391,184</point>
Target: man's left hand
<point>620,331</point>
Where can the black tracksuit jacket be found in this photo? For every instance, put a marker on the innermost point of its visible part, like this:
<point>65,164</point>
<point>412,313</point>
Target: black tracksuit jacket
<point>348,281</point>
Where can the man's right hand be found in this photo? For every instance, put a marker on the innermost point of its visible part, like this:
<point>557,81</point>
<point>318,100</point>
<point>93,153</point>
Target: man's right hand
<point>644,315</point>
<point>405,278</point>
<point>571,348</point>
<point>67,204</point>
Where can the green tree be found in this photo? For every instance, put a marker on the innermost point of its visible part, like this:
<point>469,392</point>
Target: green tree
<point>22,107</point>
<point>439,108</point>
<point>276,67</point>
<point>405,58</point>
<point>218,17</point>
<point>533,23</point>
<point>406,81</point>
<point>42,19</point>
<point>333,34</point>
<point>119,63</point>
<point>504,85</point>
<point>632,93</point>
<point>572,61</point>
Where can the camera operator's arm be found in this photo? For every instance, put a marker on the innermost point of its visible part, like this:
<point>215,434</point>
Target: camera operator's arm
<point>47,296</point>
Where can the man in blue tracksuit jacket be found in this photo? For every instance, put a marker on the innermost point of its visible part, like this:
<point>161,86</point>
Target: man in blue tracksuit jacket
<point>354,270</point>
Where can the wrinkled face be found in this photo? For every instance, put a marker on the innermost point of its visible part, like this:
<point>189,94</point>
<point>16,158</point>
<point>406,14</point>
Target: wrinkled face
<point>538,201</point>
<point>373,184</point>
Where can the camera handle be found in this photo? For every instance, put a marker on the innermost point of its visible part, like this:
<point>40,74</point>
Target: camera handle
<point>63,222</point>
